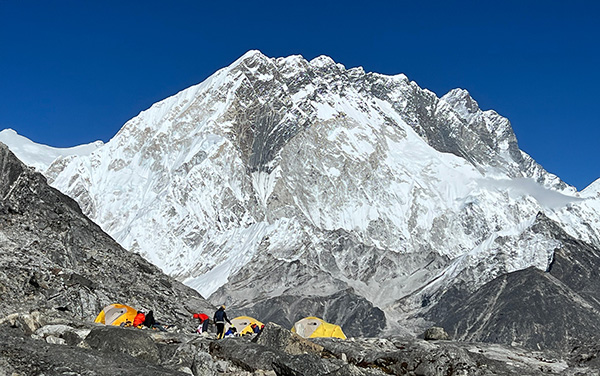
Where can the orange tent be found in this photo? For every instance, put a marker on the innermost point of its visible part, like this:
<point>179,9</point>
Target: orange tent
<point>116,314</point>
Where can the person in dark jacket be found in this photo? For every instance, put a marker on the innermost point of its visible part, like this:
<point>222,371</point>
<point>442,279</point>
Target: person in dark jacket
<point>220,318</point>
<point>151,323</point>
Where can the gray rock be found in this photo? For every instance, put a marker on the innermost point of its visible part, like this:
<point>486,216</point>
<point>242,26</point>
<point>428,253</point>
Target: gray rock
<point>402,356</point>
<point>305,365</point>
<point>435,333</point>
<point>28,322</point>
<point>180,353</point>
<point>68,334</point>
<point>247,355</point>
<point>22,355</point>
<point>116,340</point>
<point>55,340</point>
<point>277,337</point>
<point>204,365</point>
<point>222,366</point>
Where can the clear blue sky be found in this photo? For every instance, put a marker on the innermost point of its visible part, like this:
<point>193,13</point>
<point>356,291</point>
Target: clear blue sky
<point>72,72</point>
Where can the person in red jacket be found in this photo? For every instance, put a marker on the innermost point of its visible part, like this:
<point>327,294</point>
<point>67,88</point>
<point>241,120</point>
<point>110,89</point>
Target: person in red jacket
<point>139,319</point>
<point>203,318</point>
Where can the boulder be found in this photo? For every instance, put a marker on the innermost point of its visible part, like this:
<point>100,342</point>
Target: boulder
<point>68,334</point>
<point>135,342</point>
<point>247,355</point>
<point>53,340</point>
<point>277,337</point>
<point>204,365</point>
<point>435,333</point>
<point>28,322</point>
<point>21,354</point>
<point>305,365</point>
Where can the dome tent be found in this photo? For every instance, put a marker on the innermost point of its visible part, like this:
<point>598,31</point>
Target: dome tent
<point>243,324</point>
<point>116,314</point>
<point>311,327</point>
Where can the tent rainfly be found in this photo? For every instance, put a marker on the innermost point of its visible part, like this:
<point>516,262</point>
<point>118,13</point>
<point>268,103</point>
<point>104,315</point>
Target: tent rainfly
<point>116,314</point>
<point>243,324</point>
<point>311,327</point>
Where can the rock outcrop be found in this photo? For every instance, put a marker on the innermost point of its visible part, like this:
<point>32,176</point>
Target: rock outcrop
<point>554,309</point>
<point>435,333</point>
<point>56,263</point>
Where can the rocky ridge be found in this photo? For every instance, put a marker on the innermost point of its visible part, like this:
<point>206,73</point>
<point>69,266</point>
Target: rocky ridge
<point>57,262</point>
<point>558,308</point>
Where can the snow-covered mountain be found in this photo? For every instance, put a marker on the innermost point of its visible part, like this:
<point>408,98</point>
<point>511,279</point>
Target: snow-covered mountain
<point>283,180</point>
<point>41,156</point>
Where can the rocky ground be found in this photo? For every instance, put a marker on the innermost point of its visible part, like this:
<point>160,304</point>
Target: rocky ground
<point>91,349</point>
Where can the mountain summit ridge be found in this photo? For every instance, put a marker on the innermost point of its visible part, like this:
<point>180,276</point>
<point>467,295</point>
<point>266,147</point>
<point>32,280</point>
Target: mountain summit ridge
<point>332,179</point>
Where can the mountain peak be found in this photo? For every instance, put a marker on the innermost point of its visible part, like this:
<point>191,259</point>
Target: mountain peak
<point>251,58</point>
<point>41,156</point>
<point>322,61</point>
<point>592,190</point>
<point>9,131</point>
<point>251,54</point>
<point>303,168</point>
<point>461,100</point>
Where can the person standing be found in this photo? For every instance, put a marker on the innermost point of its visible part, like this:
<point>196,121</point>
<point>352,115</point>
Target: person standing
<point>220,318</point>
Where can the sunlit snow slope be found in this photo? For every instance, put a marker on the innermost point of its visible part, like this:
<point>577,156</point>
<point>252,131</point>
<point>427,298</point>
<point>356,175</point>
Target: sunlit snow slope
<point>41,156</point>
<point>286,177</point>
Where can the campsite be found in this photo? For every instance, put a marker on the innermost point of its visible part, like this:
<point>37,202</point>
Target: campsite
<point>122,315</point>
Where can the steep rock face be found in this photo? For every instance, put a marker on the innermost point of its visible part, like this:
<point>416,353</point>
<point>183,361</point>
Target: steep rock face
<point>287,177</point>
<point>558,308</point>
<point>527,308</point>
<point>55,261</point>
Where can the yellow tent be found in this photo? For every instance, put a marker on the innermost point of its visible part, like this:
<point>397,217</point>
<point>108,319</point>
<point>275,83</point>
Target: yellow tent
<point>243,324</point>
<point>116,314</point>
<point>311,327</point>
